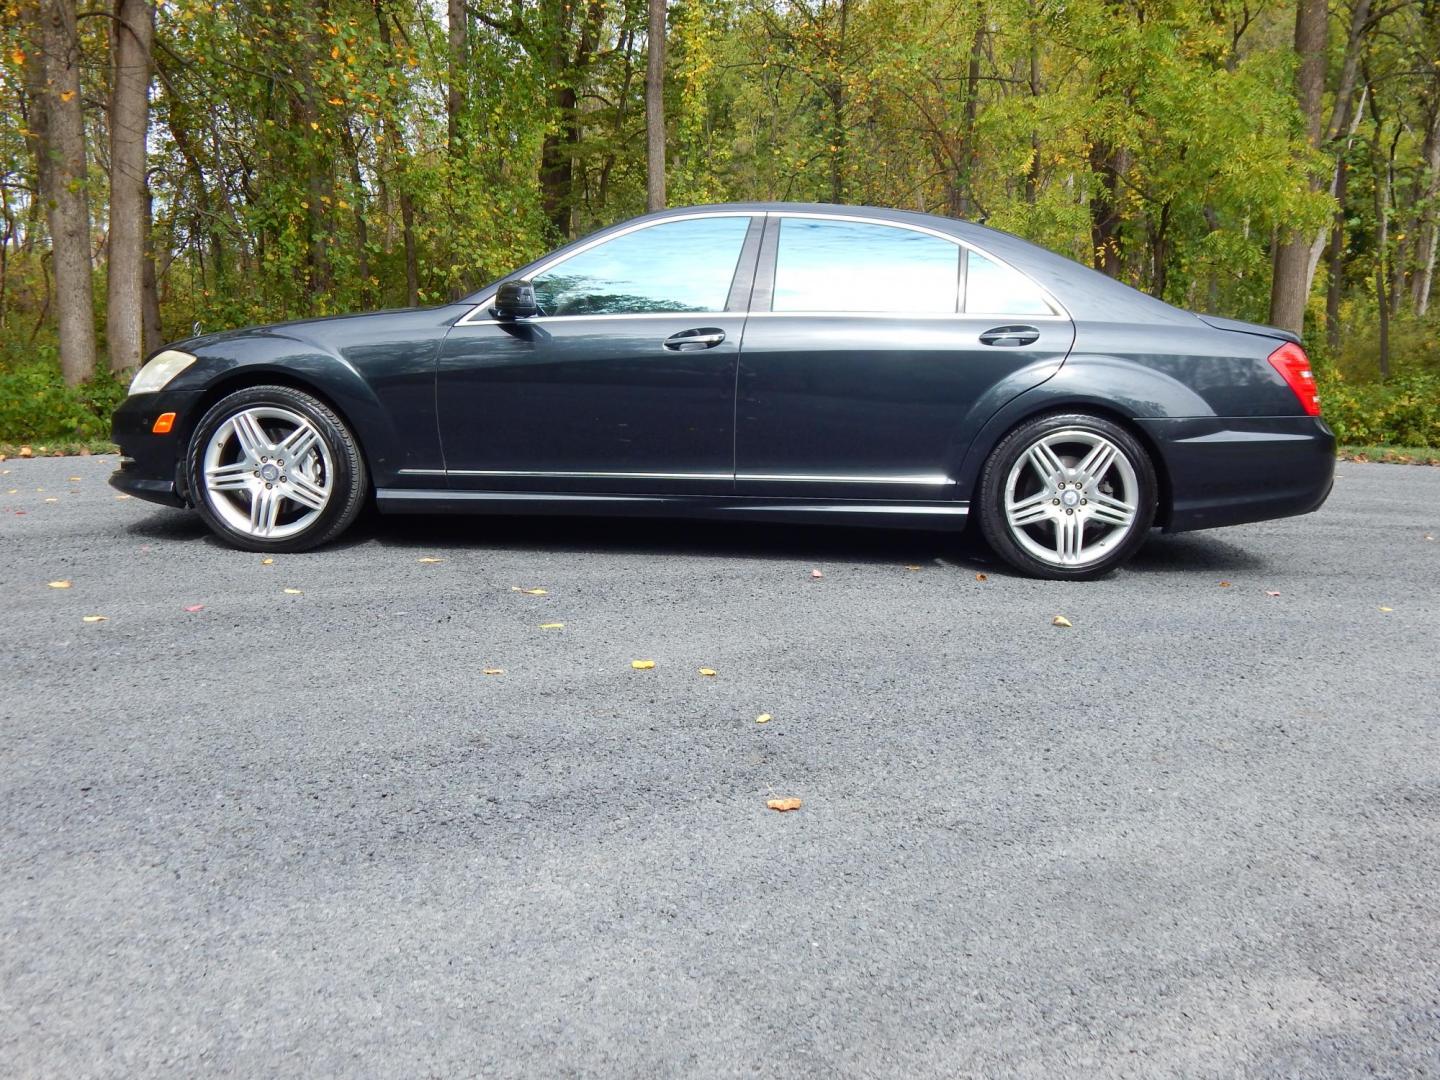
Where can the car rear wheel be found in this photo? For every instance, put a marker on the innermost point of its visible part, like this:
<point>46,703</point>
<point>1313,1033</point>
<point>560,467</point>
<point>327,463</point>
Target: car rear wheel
<point>1067,497</point>
<point>271,468</point>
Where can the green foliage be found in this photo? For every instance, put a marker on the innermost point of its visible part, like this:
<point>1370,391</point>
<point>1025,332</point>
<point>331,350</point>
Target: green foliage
<point>1404,411</point>
<point>36,405</point>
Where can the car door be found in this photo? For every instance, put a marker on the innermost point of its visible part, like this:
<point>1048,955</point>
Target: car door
<point>874,351</point>
<point>625,381</point>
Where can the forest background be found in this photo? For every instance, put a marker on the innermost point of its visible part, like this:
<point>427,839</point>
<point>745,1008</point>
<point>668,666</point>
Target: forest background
<point>216,163</point>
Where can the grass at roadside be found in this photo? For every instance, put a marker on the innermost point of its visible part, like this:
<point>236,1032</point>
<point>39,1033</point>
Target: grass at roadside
<point>1392,455</point>
<point>58,448</point>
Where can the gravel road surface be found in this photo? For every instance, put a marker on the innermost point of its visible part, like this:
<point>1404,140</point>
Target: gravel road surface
<point>301,832</point>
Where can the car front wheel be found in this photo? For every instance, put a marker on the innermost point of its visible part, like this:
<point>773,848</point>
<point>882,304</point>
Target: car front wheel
<point>1067,497</point>
<point>271,468</point>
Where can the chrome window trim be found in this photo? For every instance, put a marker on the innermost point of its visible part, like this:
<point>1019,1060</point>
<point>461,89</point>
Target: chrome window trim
<point>983,316</point>
<point>1058,310</point>
<point>468,319</point>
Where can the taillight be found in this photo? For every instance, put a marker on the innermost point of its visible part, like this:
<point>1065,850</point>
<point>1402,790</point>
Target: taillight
<point>1294,367</point>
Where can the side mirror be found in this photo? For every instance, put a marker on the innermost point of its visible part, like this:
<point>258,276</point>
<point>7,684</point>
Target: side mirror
<point>515,300</point>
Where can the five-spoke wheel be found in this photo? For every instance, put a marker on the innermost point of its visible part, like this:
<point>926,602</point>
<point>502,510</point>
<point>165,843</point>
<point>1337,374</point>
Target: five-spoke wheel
<point>274,469</point>
<point>1067,496</point>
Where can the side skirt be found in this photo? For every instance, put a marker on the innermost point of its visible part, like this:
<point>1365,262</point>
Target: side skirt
<point>891,515</point>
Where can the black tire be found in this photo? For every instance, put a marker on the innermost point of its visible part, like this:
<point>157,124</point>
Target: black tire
<point>340,467</point>
<point>1114,544</point>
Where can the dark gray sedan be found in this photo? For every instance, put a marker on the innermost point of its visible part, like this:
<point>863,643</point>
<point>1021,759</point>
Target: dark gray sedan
<point>768,361</point>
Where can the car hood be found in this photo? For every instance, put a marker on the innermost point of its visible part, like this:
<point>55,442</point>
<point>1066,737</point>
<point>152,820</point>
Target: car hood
<point>304,328</point>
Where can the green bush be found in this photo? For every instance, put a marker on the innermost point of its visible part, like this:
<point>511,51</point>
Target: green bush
<point>1404,411</point>
<point>37,406</point>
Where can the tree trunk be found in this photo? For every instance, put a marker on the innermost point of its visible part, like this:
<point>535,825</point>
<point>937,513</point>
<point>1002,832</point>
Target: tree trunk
<point>391,124</point>
<point>1108,164</point>
<point>150,286</point>
<point>131,33</point>
<point>1289,286</point>
<point>458,38</point>
<point>1382,244</point>
<point>1425,245</point>
<point>60,131</point>
<point>655,109</point>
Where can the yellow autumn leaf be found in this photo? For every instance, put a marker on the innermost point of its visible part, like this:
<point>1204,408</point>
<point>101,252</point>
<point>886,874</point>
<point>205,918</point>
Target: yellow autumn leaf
<point>293,592</point>
<point>764,718</point>
<point>66,95</point>
<point>94,618</point>
<point>267,562</point>
<point>429,559</point>
<point>493,671</point>
<point>912,566</point>
<point>552,626</point>
<point>529,592</point>
<point>642,665</point>
<point>60,584</point>
<point>1059,620</point>
<point>708,672</point>
<point>74,479</point>
<point>1386,608</point>
<point>783,805</point>
<point>52,499</point>
<point>982,577</point>
<point>122,496</point>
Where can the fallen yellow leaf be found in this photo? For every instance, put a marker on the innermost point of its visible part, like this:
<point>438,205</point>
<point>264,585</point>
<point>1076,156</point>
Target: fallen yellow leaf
<point>1387,609</point>
<point>764,718</point>
<point>60,584</point>
<point>493,671</point>
<point>642,665</point>
<point>267,562</point>
<point>529,592</point>
<point>122,496</point>
<point>429,559</point>
<point>816,574</point>
<point>1271,592</point>
<point>74,479</point>
<point>94,618</point>
<point>708,672</point>
<point>783,804</point>
<point>294,592</point>
<point>982,577</point>
<point>552,626</point>
<point>1224,584</point>
<point>52,499</point>
<point>912,567</point>
<point>1059,620</point>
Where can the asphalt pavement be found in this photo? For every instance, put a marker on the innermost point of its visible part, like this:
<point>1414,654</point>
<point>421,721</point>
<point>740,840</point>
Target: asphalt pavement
<point>300,831</point>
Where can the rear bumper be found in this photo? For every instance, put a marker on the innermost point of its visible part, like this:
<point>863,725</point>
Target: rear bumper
<point>151,466</point>
<point>1228,471</point>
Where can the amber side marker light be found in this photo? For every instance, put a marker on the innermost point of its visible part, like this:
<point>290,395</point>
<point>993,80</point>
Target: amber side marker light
<point>163,423</point>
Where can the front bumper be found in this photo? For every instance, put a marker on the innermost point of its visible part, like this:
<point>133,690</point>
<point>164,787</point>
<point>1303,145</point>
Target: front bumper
<point>1228,471</point>
<point>152,466</point>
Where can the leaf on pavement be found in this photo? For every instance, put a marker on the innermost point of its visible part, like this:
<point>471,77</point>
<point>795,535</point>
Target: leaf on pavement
<point>122,496</point>
<point>196,607</point>
<point>493,671</point>
<point>911,566</point>
<point>429,559</point>
<point>982,577</point>
<point>783,805</point>
<point>1060,620</point>
<point>1383,608</point>
<point>552,626</point>
<point>816,574</point>
<point>529,592</point>
<point>267,562</point>
<point>60,584</point>
<point>708,672</point>
<point>95,618</point>
<point>764,718</point>
<point>1271,592</point>
<point>642,665</point>
<point>25,451</point>
<point>294,592</point>
<point>1225,584</point>
<point>74,479</point>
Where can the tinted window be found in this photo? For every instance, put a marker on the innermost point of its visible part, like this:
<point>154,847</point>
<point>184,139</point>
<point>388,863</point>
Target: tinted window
<point>675,266</point>
<point>992,289</point>
<point>855,266</point>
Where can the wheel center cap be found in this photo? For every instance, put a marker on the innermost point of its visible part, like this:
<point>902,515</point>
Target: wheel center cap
<point>269,473</point>
<point>1071,498</point>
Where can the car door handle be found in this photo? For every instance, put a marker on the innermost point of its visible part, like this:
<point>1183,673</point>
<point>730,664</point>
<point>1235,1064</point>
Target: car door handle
<point>706,337</point>
<point>1010,336</point>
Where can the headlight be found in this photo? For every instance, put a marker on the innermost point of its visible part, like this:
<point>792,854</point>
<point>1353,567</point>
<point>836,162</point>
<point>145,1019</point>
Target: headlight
<point>162,367</point>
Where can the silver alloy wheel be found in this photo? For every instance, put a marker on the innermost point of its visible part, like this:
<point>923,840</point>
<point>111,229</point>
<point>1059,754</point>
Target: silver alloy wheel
<point>268,472</point>
<point>1071,498</point>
